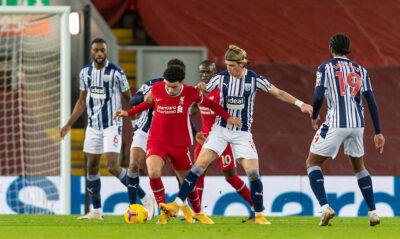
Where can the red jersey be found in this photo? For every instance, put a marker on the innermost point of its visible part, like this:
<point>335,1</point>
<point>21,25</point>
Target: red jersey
<point>171,124</point>
<point>208,115</point>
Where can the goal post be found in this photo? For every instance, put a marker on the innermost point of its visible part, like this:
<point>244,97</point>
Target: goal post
<point>35,90</point>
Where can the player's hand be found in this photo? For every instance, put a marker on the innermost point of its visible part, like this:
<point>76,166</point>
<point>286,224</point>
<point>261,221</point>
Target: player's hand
<point>64,131</point>
<point>234,121</point>
<point>201,86</point>
<point>314,123</point>
<point>379,140</point>
<point>120,113</point>
<point>200,137</point>
<point>306,108</point>
<point>149,99</point>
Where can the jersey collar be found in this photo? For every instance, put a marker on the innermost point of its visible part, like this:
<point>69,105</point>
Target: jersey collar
<point>166,89</point>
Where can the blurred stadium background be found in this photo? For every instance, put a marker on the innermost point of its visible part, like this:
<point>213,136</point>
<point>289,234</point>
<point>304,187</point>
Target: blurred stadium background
<point>285,42</point>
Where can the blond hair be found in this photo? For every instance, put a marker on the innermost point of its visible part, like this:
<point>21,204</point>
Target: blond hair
<point>236,54</point>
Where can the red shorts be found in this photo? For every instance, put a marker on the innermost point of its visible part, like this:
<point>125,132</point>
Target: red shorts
<point>226,161</point>
<point>179,156</point>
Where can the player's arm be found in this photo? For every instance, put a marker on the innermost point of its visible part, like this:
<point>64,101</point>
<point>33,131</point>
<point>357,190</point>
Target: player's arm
<point>221,112</point>
<point>127,96</point>
<point>288,98</point>
<point>379,139</point>
<point>318,99</point>
<point>135,110</point>
<point>210,86</point>
<point>80,106</point>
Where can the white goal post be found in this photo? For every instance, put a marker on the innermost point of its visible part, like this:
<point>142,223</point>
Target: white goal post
<point>62,78</point>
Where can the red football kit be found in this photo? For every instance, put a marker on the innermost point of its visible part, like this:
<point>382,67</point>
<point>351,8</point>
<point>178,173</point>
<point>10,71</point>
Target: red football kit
<point>226,161</point>
<point>170,132</point>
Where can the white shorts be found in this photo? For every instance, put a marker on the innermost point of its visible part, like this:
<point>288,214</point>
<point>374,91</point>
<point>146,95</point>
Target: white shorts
<point>103,141</point>
<point>327,141</point>
<point>140,139</point>
<point>241,141</point>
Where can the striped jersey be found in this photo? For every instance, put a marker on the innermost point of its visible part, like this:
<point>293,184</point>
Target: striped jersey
<point>104,89</point>
<point>146,117</point>
<point>344,82</point>
<point>237,95</point>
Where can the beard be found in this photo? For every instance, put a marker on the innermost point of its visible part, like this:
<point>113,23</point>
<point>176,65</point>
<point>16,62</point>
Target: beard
<point>100,61</point>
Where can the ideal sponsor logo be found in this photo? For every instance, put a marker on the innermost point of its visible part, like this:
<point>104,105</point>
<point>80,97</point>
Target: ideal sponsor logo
<point>235,102</point>
<point>98,92</point>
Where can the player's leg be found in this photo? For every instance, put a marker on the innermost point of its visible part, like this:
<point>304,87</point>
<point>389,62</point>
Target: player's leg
<point>181,162</point>
<point>200,181</point>
<point>93,147</point>
<point>112,142</point>
<point>227,163</point>
<point>213,147</point>
<point>245,152</point>
<point>196,205</point>
<point>136,160</point>
<point>155,164</point>
<point>325,144</point>
<point>93,186</point>
<point>353,147</point>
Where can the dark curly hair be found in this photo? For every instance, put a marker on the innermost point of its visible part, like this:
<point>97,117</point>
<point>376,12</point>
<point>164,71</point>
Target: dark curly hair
<point>340,43</point>
<point>176,62</point>
<point>174,73</point>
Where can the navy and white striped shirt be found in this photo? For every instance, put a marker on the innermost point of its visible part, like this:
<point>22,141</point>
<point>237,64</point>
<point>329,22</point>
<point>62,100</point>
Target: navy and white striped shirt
<point>146,117</point>
<point>237,95</point>
<point>104,89</point>
<point>343,82</point>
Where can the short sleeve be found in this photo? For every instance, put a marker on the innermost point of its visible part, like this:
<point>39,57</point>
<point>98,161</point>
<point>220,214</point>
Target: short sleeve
<point>124,84</point>
<point>262,84</point>
<point>82,84</point>
<point>320,76</point>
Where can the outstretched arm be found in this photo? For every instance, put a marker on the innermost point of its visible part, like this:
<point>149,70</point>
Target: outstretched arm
<point>379,139</point>
<point>80,106</point>
<point>140,108</point>
<point>288,98</point>
<point>318,99</point>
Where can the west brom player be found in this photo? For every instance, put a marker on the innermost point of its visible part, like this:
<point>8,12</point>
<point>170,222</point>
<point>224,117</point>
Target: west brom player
<point>226,161</point>
<point>102,85</point>
<point>342,81</point>
<point>139,143</point>
<point>170,134</point>
<point>237,88</point>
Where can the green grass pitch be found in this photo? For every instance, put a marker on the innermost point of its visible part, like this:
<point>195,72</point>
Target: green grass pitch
<point>50,226</point>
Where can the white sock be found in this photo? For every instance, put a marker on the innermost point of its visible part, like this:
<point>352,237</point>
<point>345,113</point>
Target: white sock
<point>98,210</point>
<point>324,207</point>
<point>179,202</point>
<point>146,197</point>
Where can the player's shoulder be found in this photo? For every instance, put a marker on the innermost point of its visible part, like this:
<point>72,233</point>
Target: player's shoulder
<point>252,74</point>
<point>87,67</point>
<point>190,89</point>
<point>112,66</point>
<point>153,81</point>
<point>158,85</point>
<point>222,73</point>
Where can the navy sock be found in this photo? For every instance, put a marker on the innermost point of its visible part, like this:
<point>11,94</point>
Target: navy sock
<point>122,176</point>
<point>365,184</point>
<point>317,184</point>
<point>140,192</point>
<point>93,186</point>
<point>132,180</point>
<point>256,190</point>
<point>189,182</point>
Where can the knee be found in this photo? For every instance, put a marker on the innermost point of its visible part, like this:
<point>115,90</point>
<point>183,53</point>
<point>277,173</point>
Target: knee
<point>112,167</point>
<point>310,162</point>
<point>253,175</point>
<point>133,167</point>
<point>92,167</point>
<point>154,173</point>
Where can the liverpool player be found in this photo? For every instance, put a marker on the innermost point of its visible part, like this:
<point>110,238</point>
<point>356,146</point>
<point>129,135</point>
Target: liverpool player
<point>170,133</point>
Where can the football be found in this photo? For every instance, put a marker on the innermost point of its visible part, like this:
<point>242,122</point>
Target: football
<point>135,213</point>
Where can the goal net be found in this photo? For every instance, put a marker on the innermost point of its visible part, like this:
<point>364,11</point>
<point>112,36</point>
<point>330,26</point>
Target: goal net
<point>30,111</point>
